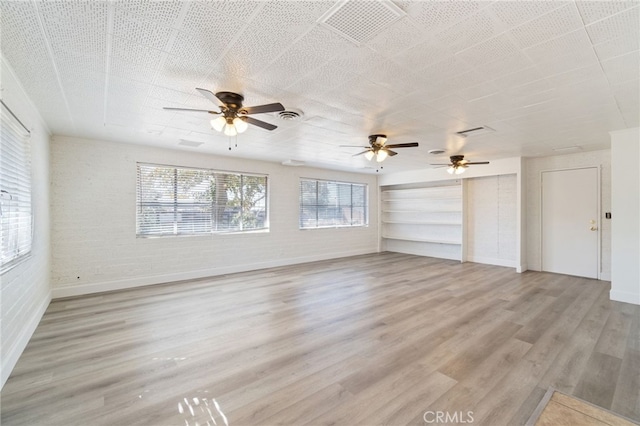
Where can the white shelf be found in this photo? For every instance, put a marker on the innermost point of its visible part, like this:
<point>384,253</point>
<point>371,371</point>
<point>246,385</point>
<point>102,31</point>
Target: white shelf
<point>423,240</point>
<point>421,191</point>
<point>409,191</point>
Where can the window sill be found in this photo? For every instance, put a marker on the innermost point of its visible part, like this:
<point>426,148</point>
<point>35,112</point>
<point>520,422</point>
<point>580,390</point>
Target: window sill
<point>15,262</point>
<point>335,227</point>
<point>207,235</point>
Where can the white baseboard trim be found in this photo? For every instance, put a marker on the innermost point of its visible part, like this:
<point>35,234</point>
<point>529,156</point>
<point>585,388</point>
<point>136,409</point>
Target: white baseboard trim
<point>491,261</point>
<point>522,268</point>
<point>605,276</point>
<point>624,296</point>
<point>13,354</point>
<point>100,287</point>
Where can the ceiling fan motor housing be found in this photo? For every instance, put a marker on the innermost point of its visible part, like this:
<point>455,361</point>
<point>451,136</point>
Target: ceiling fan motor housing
<point>231,100</point>
<point>373,139</point>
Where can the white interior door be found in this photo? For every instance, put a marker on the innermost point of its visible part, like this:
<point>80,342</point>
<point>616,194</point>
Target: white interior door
<point>570,222</point>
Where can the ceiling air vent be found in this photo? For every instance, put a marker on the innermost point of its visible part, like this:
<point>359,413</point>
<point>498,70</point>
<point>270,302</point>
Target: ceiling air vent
<point>290,114</point>
<point>192,144</point>
<point>568,148</point>
<point>294,163</point>
<point>476,131</point>
<point>359,21</point>
<point>436,151</point>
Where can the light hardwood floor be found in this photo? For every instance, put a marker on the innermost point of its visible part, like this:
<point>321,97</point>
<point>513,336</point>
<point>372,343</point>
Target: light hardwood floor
<point>558,409</point>
<point>372,340</point>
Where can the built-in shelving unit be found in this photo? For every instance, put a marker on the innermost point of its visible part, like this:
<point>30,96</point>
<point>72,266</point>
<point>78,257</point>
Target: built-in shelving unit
<point>426,221</point>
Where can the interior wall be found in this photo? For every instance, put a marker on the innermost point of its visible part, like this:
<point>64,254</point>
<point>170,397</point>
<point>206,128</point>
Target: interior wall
<point>94,241</point>
<point>24,290</point>
<point>625,237</point>
<point>492,220</point>
<point>583,159</point>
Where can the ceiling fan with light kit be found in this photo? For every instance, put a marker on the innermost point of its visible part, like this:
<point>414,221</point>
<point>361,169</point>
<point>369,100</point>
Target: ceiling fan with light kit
<point>458,164</point>
<point>233,117</point>
<point>379,149</point>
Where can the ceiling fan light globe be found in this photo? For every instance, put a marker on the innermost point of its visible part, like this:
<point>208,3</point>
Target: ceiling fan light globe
<point>459,170</point>
<point>369,155</point>
<point>451,170</point>
<point>381,140</point>
<point>230,130</point>
<point>240,125</point>
<point>382,154</point>
<point>218,123</point>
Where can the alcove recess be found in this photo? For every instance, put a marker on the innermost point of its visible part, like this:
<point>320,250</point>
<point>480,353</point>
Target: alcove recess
<point>425,219</point>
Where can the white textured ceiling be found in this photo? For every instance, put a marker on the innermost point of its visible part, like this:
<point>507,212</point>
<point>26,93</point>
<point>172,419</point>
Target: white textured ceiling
<point>546,75</point>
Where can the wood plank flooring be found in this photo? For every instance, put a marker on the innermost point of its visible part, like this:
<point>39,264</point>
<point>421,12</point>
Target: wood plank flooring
<point>381,339</point>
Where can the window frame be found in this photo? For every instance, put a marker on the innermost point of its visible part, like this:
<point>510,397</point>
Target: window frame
<point>176,205</point>
<point>16,182</point>
<point>365,207</point>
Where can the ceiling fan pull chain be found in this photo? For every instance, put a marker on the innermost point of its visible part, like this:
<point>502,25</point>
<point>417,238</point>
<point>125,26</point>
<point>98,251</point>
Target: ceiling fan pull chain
<point>235,138</point>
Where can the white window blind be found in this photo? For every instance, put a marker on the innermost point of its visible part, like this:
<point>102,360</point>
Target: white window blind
<point>326,204</point>
<point>16,220</point>
<point>184,201</point>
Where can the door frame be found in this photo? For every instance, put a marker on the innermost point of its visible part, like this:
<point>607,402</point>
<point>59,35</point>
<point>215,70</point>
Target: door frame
<point>598,168</point>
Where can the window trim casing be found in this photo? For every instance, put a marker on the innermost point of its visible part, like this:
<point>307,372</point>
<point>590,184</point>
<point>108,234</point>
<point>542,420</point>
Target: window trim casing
<point>317,180</point>
<point>264,230</point>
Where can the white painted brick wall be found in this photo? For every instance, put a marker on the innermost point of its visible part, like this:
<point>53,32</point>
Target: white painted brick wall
<point>492,219</point>
<point>534,167</point>
<point>93,221</point>
<point>24,290</point>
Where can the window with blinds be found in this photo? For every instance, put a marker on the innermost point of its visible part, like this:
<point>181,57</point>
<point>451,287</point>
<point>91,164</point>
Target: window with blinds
<point>16,219</point>
<point>185,201</point>
<point>325,204</point>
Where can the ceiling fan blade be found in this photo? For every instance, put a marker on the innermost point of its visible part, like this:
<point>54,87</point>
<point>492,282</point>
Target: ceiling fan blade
<point>360,153</point>
<point>208,94</point>
<point>261,109</point>
<point>402,145</point>
<point>480,162</point>
<point>258,123</point>
<point>190,109</point>
<point>391,153</point>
